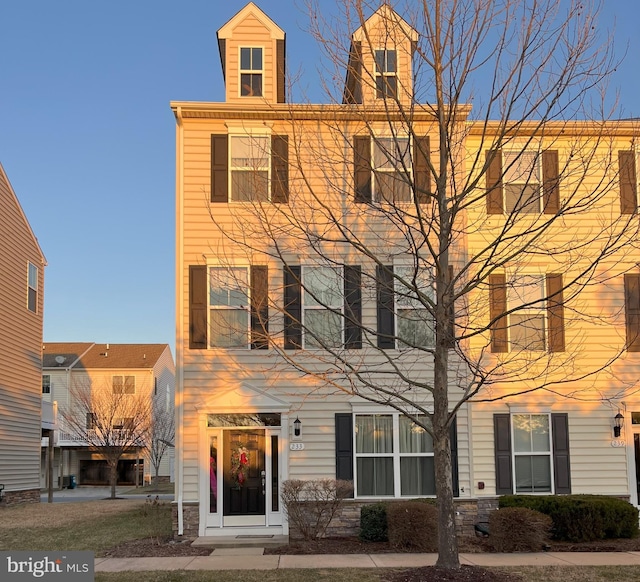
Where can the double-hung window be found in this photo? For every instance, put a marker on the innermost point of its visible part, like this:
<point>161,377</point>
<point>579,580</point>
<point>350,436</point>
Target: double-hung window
<point>414,322</point>
<point>532,453</point>
<point>251,71</point>
<point>386,72</point>
<point>229,308</point>
<point>46,384</point>
<point>527,324</point>
<point>322,306</point>
<point>522,182</point>
<point>394,457</point>
<point>392,169</point>
<point>124,384</point>
<point>32,288</point>
<point>250,167</point>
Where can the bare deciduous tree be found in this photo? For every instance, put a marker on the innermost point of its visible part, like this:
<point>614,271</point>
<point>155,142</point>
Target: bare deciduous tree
<point>110,421</point>
<point>443,229</point>
<point>162,432</point>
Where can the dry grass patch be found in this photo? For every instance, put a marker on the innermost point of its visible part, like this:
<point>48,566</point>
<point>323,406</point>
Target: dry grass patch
<point>93,525</point>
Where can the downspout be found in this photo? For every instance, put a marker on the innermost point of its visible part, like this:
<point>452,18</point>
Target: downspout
<point>179,399</point>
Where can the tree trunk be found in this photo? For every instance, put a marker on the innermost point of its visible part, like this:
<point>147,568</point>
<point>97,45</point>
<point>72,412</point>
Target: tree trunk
<point>113,478</point>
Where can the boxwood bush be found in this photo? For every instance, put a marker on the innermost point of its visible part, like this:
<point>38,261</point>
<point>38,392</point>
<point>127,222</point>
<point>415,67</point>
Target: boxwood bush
<point>413,525</point>
<point>581,518</point>
<point>519,529</point>
<point>373,523</point>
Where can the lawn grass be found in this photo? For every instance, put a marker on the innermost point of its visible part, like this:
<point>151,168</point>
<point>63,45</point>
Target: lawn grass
<point>92,525</point>
<point>529,574</point>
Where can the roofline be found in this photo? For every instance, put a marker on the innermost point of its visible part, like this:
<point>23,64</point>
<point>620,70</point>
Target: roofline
<point>24,216</point>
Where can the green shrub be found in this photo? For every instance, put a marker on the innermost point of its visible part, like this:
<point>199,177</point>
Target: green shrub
<point>413,525</point>
<point>581,518</point>
<point>373,523</point>
<point>519,529</point>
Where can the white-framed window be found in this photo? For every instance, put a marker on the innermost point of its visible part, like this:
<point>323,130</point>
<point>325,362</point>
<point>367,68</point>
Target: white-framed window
<point>532,455</point>
<point>393,456</point>
<point>124,384</point>
<point>249,167</point>
<point>392,169</point>
<point>229,307</point>
<point>386,73</point>
<point>251,71</point>
<point>527,325</point>
<point>522,181</point>
<point>46,383</point>
<point>322,306</point>
<point>32,288</point>
<point>414,322</point>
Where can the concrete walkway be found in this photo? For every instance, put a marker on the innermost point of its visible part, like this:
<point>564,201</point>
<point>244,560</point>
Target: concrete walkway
<point>253,559</point>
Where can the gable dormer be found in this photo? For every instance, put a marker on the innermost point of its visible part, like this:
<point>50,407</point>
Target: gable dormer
<point>380,60</point>
<point>252,51</point>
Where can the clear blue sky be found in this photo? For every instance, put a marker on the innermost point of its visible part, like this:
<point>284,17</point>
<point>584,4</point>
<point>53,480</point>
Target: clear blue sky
<point>87,140</point>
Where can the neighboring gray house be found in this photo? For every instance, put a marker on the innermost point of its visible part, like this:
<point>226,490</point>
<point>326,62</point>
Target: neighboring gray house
<point>21,299</point>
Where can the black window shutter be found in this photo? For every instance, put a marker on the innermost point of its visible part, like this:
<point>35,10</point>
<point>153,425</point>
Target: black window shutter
<point>280,168</point>
<point>219,168</point>
<point>386,318</point>
<point>259,307</point>
<point>362,168</point>
<point>561,461</point>
<point>352,307</point>
<point>292,307</point>
<point>502,444</point>
<point>632,311</point>
<point>453,436</point>
<point>555,312</point>
<point>281,70</point>
<point>550,182</point>
<point>494,181</point>
<point>421,173</point>
<point>498,306</point>
<point>628,187</point>
<point>197,307</point>
<point>344,446</point>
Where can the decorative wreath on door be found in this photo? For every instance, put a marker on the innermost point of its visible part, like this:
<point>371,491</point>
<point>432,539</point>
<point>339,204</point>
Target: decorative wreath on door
<point>239,462</point>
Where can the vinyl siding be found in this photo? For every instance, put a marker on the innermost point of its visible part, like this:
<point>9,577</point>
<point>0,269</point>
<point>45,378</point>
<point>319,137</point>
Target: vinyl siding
<point>20,345</point>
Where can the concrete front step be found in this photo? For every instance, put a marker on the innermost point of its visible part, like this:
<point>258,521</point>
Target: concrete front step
<point>241,541</point>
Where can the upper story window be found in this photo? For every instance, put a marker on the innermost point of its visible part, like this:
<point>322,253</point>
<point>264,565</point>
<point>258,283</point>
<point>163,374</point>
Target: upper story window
<point>249,167</point>
<point>124,384</point>
<point>522,182</point>
<point>251,71</point>
<point>392,169</point>
<point>32,288</point>
<point>322,302</point>
<point>527,324</point>
<point>229,307</point>
<point>414,322</point>
<point>629,163</point>
<point>46,383</point>
<point>527,314</point>
<point>386,73</point>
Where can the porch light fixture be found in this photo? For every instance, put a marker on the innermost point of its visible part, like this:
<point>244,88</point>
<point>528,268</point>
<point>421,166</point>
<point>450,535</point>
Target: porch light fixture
<point>618,423</point>
<point>297,427</point>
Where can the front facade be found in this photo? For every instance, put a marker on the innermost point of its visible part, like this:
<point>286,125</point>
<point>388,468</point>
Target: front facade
<point>272,328</point>
<point>21,315</point>
<point>72,370</point>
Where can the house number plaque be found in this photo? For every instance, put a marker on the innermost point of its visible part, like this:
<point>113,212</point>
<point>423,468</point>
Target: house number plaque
<point>296,446</point>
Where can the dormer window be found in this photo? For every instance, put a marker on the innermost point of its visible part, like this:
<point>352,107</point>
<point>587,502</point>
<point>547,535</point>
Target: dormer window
<point>386,73</point>
<point>251,72</point>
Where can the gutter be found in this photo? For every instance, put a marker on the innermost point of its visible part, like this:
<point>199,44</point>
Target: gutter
<point>179,398</point>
